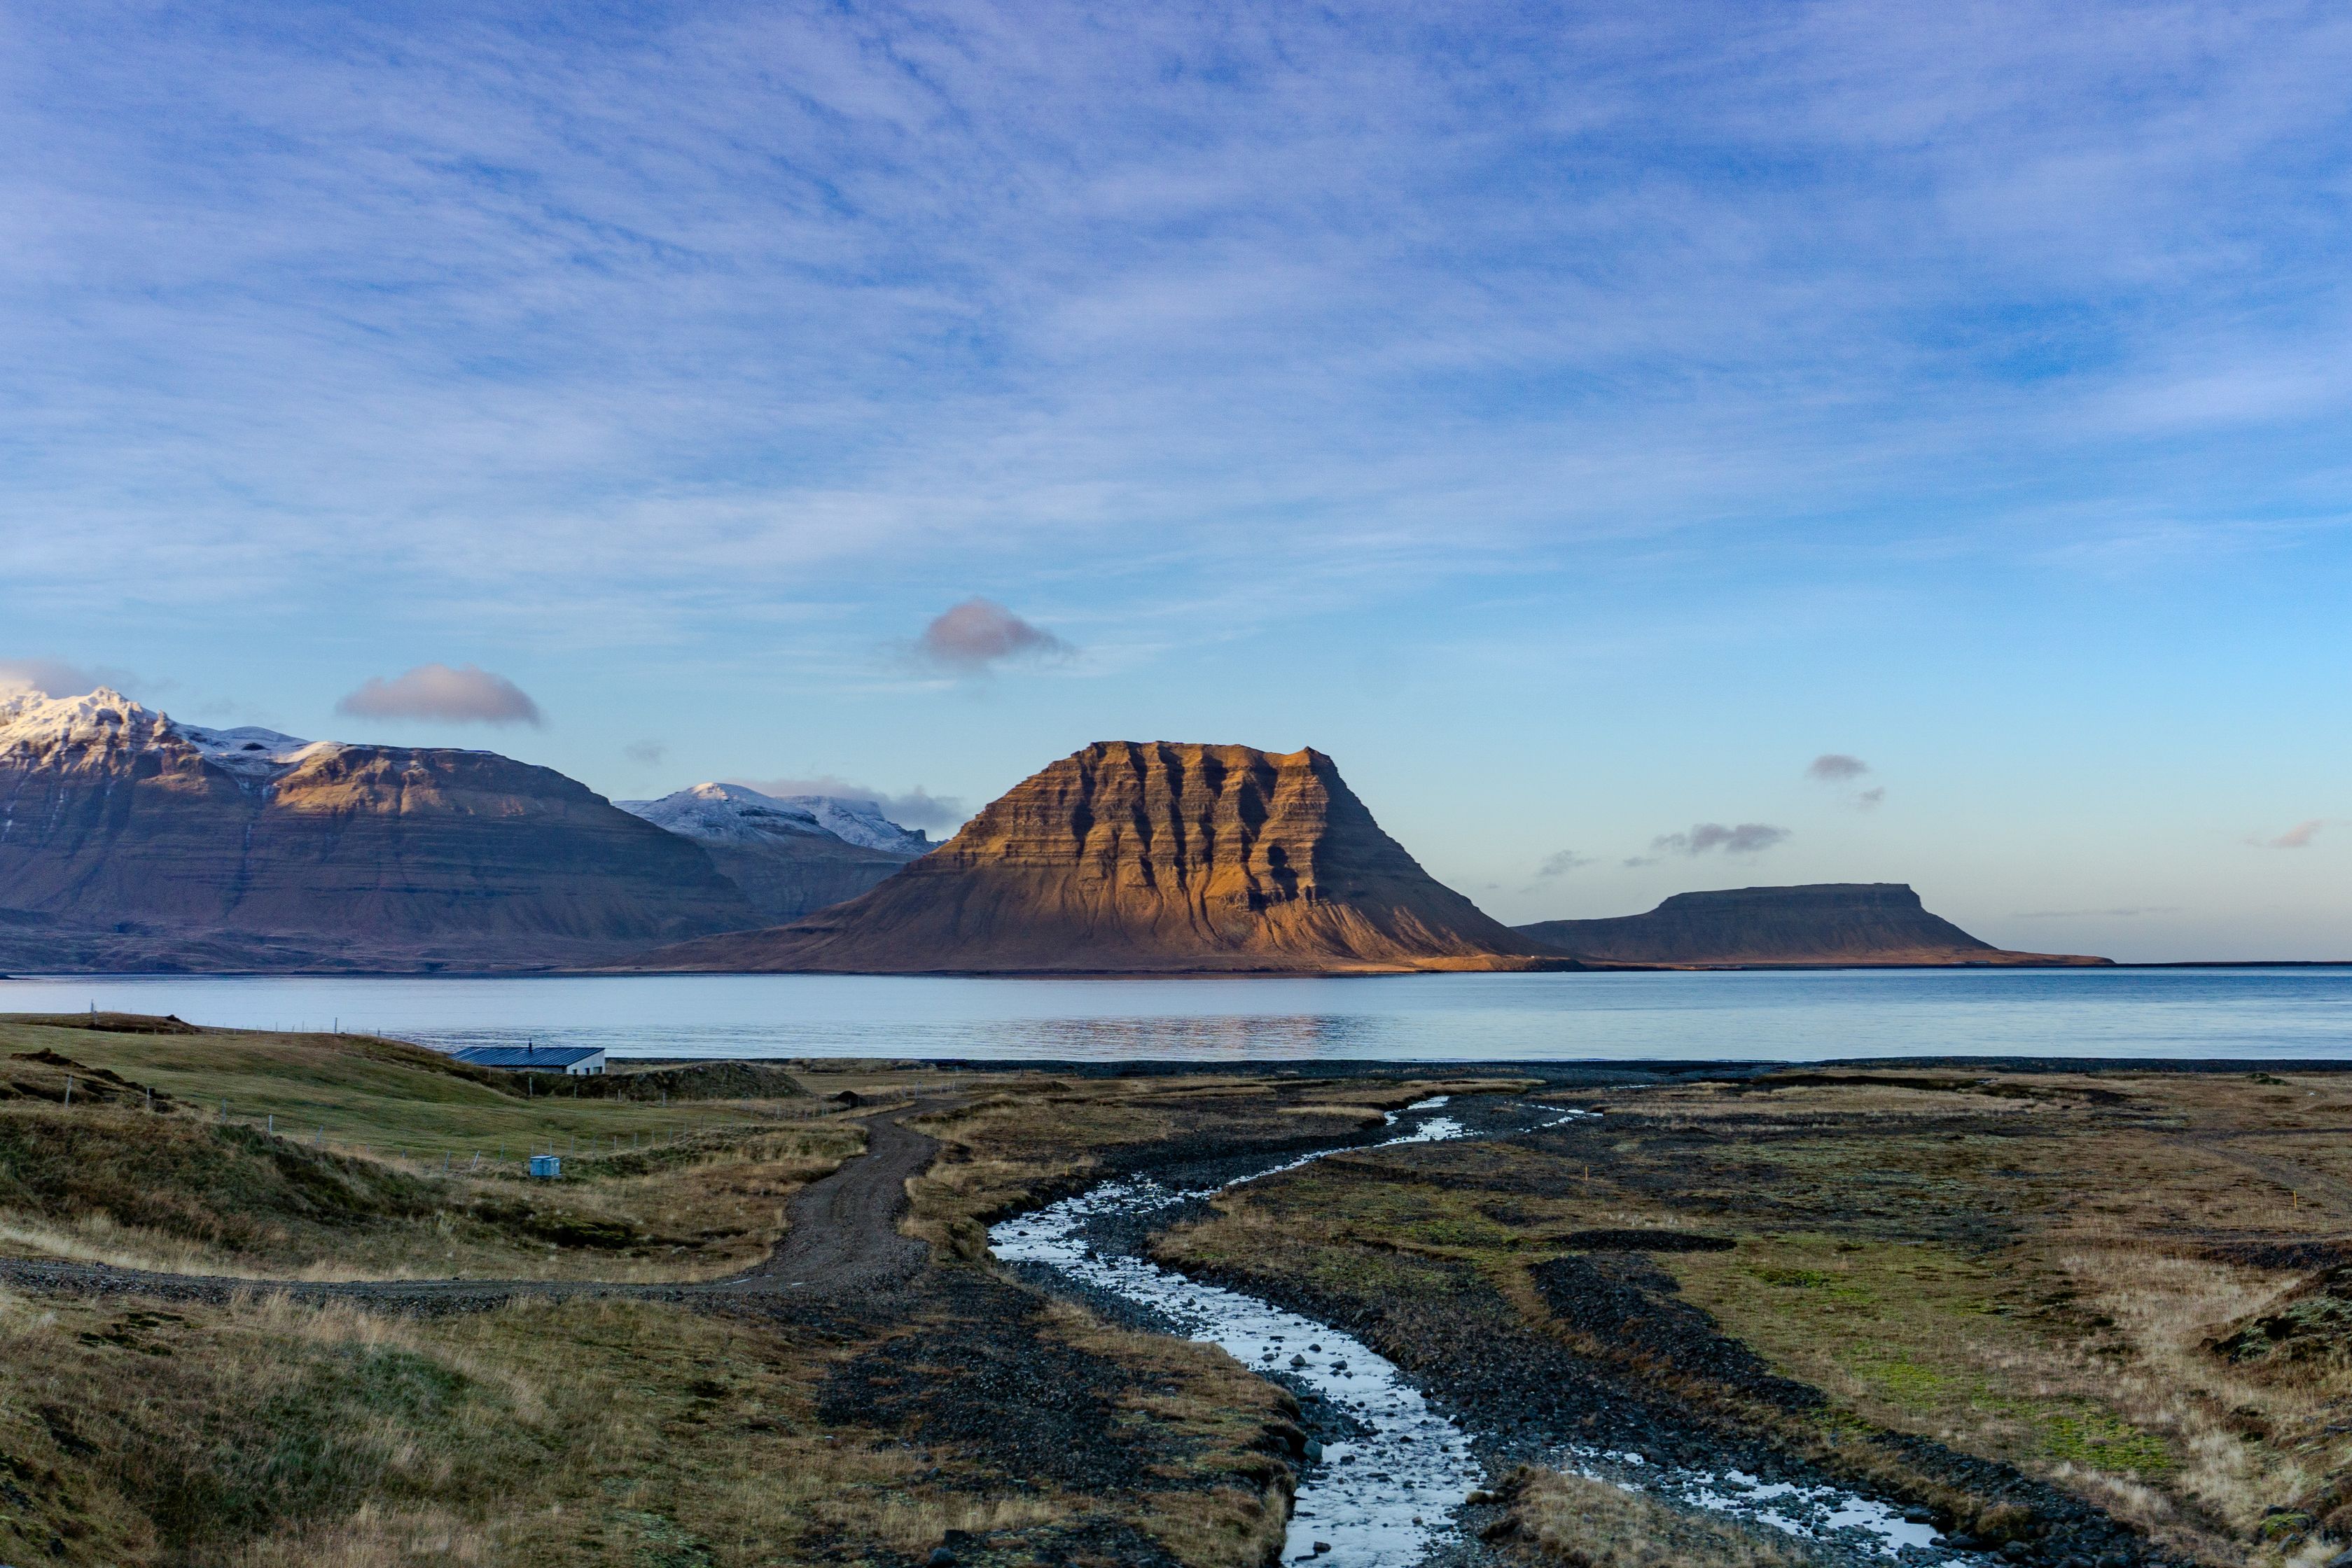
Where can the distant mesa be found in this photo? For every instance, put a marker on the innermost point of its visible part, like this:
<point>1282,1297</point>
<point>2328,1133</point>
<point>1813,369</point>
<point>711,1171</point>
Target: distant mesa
<point>1821,922</point>
<point>1147,858</point>
<point>129,840</point>
<point>791,856</point>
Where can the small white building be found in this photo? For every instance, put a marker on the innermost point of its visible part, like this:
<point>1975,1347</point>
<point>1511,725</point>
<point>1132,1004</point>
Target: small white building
<point>572,1060</point>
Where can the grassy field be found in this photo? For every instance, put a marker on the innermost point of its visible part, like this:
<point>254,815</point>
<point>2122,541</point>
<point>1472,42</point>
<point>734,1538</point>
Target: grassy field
<point>2131,1291</point>
<point>262,1434</point>
<point>344,1156</point>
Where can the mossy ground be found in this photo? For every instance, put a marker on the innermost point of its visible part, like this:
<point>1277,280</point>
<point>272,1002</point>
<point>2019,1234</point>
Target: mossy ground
<point>2034,1267</point>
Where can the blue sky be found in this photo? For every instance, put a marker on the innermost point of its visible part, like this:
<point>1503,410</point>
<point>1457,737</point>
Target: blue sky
<point>1574,419</point>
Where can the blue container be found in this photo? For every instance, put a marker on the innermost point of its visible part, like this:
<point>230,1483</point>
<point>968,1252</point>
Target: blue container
<point>548,1165</point>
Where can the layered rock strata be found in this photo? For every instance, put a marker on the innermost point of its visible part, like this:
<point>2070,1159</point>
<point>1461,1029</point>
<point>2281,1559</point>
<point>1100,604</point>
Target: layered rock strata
<point>1131,858</point>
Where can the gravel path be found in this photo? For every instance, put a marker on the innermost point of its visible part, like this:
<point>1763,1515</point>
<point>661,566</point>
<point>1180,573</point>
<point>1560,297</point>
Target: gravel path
<point>841,1239</point>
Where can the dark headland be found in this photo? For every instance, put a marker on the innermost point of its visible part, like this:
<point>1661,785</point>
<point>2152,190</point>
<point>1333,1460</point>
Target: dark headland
<point>1829,923</point>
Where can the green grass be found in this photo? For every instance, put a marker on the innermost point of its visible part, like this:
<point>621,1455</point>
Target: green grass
<point>381,1097</point>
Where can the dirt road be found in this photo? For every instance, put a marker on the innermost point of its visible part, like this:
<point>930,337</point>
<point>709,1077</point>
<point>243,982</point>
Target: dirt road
<point>841,1237</point>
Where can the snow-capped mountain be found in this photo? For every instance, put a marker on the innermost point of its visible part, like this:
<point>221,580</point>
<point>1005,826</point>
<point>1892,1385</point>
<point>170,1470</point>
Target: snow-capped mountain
<point>106,722</point>
<point>728,814</point>
<point>131,841</point>
<point>736,814</point>
<point>789,856</point>
<point>861,822</point>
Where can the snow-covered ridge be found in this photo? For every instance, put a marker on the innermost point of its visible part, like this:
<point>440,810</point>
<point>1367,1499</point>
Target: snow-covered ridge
<point>735,814</point>
<point>107,720</point>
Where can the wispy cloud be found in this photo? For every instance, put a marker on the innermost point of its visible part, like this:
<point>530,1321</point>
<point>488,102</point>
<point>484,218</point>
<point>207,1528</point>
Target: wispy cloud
<point>1746,838</point>
<point>466,695</point>
<point>2126,912</point>
<point>701,310</point>
<point>1561,863</point>
<point>2298,837</point>
<point>645,753</point>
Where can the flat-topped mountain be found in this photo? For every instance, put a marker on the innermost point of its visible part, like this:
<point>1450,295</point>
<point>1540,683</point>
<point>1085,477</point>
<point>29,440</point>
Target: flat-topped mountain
<point>129,840</point>
<point>1148,858</point>
<point>790,856</point>
<point>1821,922</point>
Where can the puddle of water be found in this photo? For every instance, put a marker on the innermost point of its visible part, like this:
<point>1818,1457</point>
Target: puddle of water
<point>1386,1497</point>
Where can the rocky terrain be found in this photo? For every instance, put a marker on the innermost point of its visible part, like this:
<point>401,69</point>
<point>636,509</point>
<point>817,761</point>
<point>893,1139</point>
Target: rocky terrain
<point>1821,923</point>
<point>791,856</point>
<point>1148,858</point>
<point>129,840</point>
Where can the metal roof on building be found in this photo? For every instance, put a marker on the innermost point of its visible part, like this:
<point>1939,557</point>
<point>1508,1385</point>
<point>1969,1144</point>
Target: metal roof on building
<point>527,1055</point>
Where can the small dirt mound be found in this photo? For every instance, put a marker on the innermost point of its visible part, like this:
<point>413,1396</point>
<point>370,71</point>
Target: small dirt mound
<point>693,1080</point>
<point>1641,1241</point>
<point>46,1075</point>
<point>2312,1322</point>
<point>107,1023</point>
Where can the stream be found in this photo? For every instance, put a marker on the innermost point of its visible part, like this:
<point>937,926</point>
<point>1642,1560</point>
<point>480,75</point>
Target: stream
<point>1385,1495</point>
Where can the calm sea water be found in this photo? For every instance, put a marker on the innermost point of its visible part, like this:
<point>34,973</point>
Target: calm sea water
<point>1760,1015</point>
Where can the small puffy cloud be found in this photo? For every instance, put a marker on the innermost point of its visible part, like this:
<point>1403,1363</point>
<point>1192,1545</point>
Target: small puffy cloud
<point>1870,799</point>
<point>1562,863</point>
<point>1835,768</point>
<point>1747,838</point>
<point>644,753</point>
<point>1633,860</point>
<point>980,633</point>
<point>918,808</point>
<point>468,695</point>
<point>2298,837</point>
<point>50,677</point>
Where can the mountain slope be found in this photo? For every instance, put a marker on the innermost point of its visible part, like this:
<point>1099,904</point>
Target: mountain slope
<point>789,857</point>
<point>130,840</point>
<point>1147,858</point>
<point>1819,922</point>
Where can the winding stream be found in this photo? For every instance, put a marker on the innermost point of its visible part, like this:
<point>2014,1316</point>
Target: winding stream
<point>1384,1495</point>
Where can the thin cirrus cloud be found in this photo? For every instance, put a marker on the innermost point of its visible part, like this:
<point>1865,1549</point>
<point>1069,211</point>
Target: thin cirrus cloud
<point>1237,298</point>
<point>916,808</point>
<point>2298,837</point>
<point>980,634</point>
<point>2128,912</point>
<point>1746,838</point>
<point>465,695</point>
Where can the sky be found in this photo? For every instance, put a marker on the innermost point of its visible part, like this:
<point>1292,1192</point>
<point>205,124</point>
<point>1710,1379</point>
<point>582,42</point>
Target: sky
<point>1577,420</point>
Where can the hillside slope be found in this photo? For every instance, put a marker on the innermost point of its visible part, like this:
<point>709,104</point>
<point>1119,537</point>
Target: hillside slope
<point>1147,858</point>
<point>1819,922</point>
